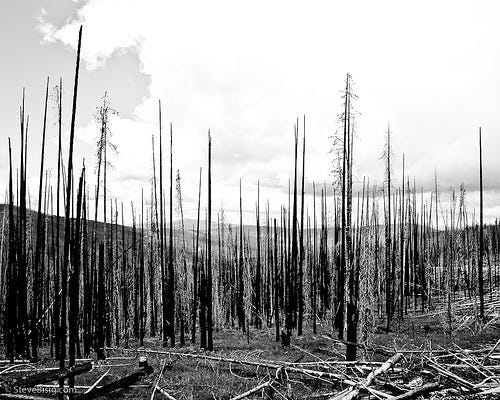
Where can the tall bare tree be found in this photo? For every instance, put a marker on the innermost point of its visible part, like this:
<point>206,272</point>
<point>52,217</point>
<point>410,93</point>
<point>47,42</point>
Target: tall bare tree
<point>481,234</point>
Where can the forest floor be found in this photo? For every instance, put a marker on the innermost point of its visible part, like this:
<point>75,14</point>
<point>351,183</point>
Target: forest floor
<point>257,358</point>
<point>465,364</point>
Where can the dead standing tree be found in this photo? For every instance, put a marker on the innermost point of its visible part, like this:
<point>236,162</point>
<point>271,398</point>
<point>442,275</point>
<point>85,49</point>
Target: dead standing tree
<point>37,293</point>
<point>258,269</point>
<point>67,221</point>
<point>351,272</point>
<point>301,238</point>
<point>481,234</point>
<point>22,347</point>
<point>389,276</point>
<point>104,144</point>
<point>11,306</point>
<point>171,275</point>
<point>162,236</point>
<point>195,268</point>
<point>347,293</point>
<point>210,343</point>
<point>182,288</point>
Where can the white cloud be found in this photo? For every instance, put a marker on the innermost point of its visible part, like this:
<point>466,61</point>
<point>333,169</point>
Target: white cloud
<point>47,30</point>
<point>246,70</point>
<point>101,38</point>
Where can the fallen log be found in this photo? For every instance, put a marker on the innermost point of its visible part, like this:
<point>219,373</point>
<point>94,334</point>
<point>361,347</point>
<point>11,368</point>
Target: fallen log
<point>46,376</point>
<point>9,396</point>
<point>97,382</point>
<point>263,364</point>
<point>413,394</point>
<point>451,376</point>
<point>158,380</point>
<point>121,383</point>
<point>84,388</point>
<point>164,393</point>
<point>252,391</point>
<point>491,351</point>
<point>15,368</point>
<point>359,346</point>
<point>354,391</point>
<point>18,361</point>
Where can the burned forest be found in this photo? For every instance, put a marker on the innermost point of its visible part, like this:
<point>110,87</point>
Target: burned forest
<point>354,287</point>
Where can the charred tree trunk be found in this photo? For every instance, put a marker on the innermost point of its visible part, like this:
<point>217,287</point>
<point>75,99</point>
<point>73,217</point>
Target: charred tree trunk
<point>277,285</point>
<point>67,221</point>
<point>74,282</point>
<point>171,283</point>
<point>388,255</point>
<point>210,343</point>
<point>37,292</point>
<point>301,244</point>
<point>195,268</point>
<point>240,306</point>
<point>258,269</point>
<point>11,307</point>
<point>481,234</point>
<point>165,330</point>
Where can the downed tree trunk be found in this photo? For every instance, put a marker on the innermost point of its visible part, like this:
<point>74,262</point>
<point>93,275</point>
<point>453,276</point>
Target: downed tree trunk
<point>124,382</point>
<point>353,393</point>
<point>264,364</point>
<point>97,381</point>
<point>11,396</point>
<point>451,376</point>
<point>158,380</point>
<point>20,361</point>
<point>413,394</point>
<point>362,346</point>
<point>47,376</point>
<point>491,351</point>
<point>164,393</point>
<point>252,391</point>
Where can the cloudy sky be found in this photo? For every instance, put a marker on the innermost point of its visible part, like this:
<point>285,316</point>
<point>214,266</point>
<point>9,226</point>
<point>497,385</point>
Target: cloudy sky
<point>246,71</point>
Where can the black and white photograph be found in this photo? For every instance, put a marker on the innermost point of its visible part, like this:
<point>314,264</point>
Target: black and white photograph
<point>233,199</point>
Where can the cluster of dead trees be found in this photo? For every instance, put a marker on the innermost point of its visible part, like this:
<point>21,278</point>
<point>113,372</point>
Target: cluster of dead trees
<point>78,285</point>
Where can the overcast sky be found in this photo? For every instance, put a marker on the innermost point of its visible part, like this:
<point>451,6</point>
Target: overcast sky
<point>246,71</point>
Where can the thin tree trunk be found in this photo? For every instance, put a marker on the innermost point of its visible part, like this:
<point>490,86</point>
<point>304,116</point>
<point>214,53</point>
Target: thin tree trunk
<point>301,255</point>
<point>210,344</point>
<point>481,234</point>
<point>67,229</point>
<point>165,330</point>
<point>36,295</point>
<point>195,268</point>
